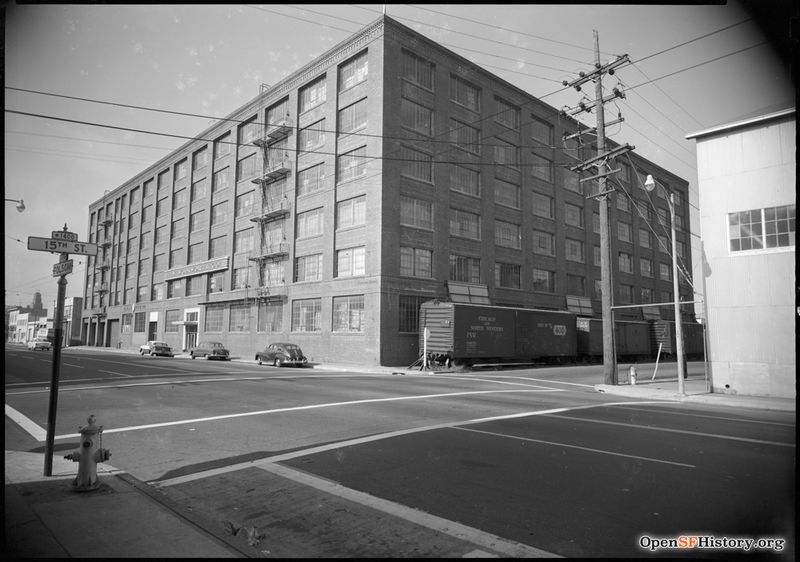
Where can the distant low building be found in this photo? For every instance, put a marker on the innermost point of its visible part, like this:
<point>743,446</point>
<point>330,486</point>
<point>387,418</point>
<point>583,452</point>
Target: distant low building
<point>747,183</point>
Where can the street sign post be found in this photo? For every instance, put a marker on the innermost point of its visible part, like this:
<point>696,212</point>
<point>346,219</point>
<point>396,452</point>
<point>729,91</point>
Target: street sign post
<point>64,243</point>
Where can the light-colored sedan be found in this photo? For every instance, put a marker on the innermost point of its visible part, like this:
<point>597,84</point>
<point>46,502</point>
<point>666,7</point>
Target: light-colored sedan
<point>153,348</point>
<point>40,343</point>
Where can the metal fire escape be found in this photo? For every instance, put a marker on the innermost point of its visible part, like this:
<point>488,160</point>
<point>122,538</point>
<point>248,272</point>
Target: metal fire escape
<point>275,208</point>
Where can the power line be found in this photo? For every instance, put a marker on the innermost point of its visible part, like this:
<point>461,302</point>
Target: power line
<point>693,40</point>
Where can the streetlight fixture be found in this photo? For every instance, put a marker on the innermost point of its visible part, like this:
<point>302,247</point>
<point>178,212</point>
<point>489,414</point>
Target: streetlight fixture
<point>19,202</point>
<point>650,185</point>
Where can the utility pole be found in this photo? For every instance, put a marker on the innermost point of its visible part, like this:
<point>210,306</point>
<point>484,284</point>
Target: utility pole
<point>601,162</point>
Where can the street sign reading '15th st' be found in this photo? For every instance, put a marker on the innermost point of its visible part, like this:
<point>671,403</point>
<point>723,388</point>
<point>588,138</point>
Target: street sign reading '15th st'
<point>61,246</point>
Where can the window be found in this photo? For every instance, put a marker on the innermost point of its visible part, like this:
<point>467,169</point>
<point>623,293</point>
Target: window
<point>307,315</point>
<point>541,168</point>
<point>141,294</point>
<point>197,252</point>
<point>240,318</point>
<point>244,204</point>
<point>214,315</point>
<point>626,294</point>
<point>181,169</point>
<point>174,288</point>
<point>180,199</point>
<point>127,320</point>
<point>308,268</point>
<point>464,93</point>
<point>773,227</point>
<point>243,241</point>
<point>572,181</point>
<point>543,243</point>
<point>216,282</point>
<point>197,221</point>
<point>596,223</point>
<point>597,256</point>
<point>272,273</point>
<point>147,191</point>
<point>465,180</point>
<point>222,146</point>
<point>644,238</point>
<point>199,190</point>
<point>178,227</point>
<point>172,316</point>
<point>417,70</point>
<point>200,159</point>
<point>576,285</point>
<point>248,131</point>
<point>465,137</point>
<point>542,131</point>
<point>219,213</point>
<point>219,246</point>
<point>353,117</point>
<point>416,213</point>
<point>313,94</point>
<point>573,215</point>
<point>277,114</point>
<point>665,272</point>
<point>507,114</point>
<point>466,224</point>
<point>241,276</point>
<point>574,250</point>
<point>623,203</point>
<point>133,221</point>
<point>507,234</point>
<point>348,314</point>
<point>310,179</point>
<point>221,180</point>
<point>134,196</point>
<point>138,321</point>
<point>176,257</point>
<point>646,295</point>
<point>163,180</point>
<point>544,280</point>
<point>507,275</point>
<point>194,285</point>
<point>416,164</point>
<point>505,153</point>
<point>352,164</point>
<point>353,71</point>
<point>416,117</point>
<point>465,269</point>
<point>157,292</point>
<point>160,262</point>
<point>625,262</point>
<point>309,223</point>
<point>351,212</point>
<point>645,267</point>
<point>416,262</point>
<point>270,317</point>
<point>144,267</point>
<point>147,213</point>
<point>542,205</point>
<point>246,167</point>
<point>624,232</point>
<point>311,137</point>
<point>408,310</point>
<point>350,262</point>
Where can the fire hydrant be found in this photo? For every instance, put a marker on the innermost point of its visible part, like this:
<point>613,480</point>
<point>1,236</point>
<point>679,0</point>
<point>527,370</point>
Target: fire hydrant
<point>632,374</point>
<point>87,457</point>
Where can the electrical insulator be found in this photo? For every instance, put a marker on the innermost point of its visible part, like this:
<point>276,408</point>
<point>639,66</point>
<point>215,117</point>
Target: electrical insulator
<point>611,72</point>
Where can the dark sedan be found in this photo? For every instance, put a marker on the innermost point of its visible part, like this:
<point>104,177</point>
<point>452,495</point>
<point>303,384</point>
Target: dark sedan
<point>279,354</point>
<point>210,350</point>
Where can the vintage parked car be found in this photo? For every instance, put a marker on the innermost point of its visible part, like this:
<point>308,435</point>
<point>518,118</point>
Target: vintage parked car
<point>40,343</point>
<point>279,354</point>
<point>210,350</point>
<point>154,348</point>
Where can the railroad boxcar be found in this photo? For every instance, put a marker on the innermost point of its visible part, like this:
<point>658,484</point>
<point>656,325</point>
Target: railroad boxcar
<point>631,339</point>
<point>468,333</point>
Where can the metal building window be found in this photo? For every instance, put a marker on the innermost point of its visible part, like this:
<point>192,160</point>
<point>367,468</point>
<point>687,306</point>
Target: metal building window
<point>465,180</point>
<point>352,212</point>
<point>542,205</point>
<point>507,234</point>
<point>352,165</point>
<point>311,179</point>
<point>417,70</point>
<point>348,313</point>
<point>416,213</point>
<point>351,262</point>
<point>465,137</point>
<point>416,262</point>
<point>408,309</point>
<point>308,268</point>
<point>270,317</point>
<point>416,164</point>
<point>307,315</point>
<point>353,71</point>
<point>170,318</point>
<point>464,93</point>
<point>465,269</point>
<point>213,319</point>
<point>508,275</point>
<point>311,137</point>
<point>757,229</point>
<point>465,224</point>
<point>239,318</point>
<point>544,280</point>
<point>352,118</point>
<point>313,94</point>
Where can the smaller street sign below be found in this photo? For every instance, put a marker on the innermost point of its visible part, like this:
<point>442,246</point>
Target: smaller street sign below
<point>62,268</point>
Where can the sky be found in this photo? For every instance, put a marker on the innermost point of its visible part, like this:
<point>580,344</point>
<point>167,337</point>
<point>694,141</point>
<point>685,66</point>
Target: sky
<point>693,67</point>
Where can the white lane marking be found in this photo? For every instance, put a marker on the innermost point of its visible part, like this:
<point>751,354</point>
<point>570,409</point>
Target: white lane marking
<point>493,381</point>
<point>601,451</point>
<point>26,423</point>
<point>76,366</point>
<point>467,377</point>
<point>114,373</point>
<point>506,547</point>
<point>685,414</point>
<point>149,383</point>
<point>681,431</point>
<point>370,438</point>
<point>299,408</point>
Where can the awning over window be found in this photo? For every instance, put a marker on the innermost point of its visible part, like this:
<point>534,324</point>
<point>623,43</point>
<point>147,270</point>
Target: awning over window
<point>468,293</point>
<point>580,305</point>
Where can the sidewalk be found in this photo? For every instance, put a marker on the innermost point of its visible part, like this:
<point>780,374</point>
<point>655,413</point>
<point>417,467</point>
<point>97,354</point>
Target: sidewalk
<point>45,517</point>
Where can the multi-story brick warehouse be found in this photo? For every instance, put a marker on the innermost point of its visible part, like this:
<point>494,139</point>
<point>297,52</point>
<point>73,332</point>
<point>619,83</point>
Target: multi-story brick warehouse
<point>387,172</point>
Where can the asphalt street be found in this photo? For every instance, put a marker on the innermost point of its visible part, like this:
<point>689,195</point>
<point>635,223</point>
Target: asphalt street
<point>534,456</point>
